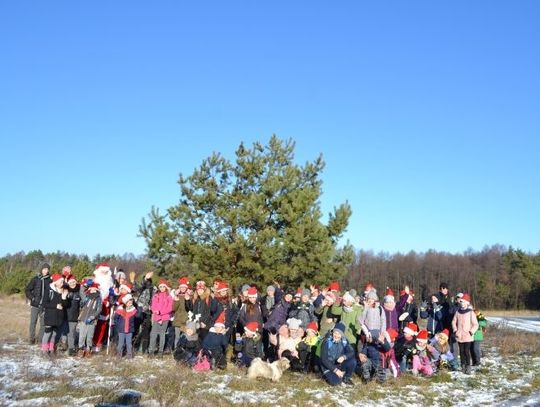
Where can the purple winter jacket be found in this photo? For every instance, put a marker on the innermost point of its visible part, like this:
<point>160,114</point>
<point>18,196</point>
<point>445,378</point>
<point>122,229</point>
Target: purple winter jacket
<point>278,316</point>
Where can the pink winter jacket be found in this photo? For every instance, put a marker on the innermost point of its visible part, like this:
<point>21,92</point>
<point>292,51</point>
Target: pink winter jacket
<point>162,306</point>
<point>465,325</point>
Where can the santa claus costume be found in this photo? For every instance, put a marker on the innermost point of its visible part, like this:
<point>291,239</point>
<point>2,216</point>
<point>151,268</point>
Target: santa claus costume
<point>103,276</point>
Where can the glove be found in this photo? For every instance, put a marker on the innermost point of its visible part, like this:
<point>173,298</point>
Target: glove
<point>89,321</point>
<point>111,292</point>
<point>88,282</point>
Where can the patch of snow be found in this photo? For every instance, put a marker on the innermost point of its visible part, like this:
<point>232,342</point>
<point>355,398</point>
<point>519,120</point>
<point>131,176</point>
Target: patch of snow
<point>529,324</point>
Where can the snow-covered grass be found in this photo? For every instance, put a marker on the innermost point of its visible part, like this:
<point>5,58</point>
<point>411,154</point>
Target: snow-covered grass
<point>29,379</point>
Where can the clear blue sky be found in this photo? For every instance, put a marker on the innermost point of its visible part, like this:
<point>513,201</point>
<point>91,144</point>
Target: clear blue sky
<point>427,114</point>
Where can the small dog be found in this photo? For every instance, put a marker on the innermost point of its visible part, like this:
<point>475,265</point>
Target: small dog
<point>272,371</point>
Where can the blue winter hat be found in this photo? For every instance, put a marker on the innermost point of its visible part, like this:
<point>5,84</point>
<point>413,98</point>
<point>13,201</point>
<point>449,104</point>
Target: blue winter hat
<point>340,327</point>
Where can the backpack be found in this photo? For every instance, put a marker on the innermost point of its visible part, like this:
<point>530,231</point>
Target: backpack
<point>202,364</point>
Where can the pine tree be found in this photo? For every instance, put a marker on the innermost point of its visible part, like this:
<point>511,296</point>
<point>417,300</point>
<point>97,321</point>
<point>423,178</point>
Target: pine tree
<point>256,219</point>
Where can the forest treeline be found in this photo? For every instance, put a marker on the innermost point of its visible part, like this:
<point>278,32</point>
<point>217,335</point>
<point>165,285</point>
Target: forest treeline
<point>497,277</point>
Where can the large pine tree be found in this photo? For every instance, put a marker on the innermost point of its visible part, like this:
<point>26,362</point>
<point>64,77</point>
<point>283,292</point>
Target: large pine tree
<point>257,219</point>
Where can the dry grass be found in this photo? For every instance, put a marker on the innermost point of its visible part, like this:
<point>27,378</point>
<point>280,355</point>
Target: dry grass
<point>511,313</point>
<point>14,323</point>
<point>511,342</point>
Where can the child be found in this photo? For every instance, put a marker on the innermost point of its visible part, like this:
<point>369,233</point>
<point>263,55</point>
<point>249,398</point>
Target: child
<point>465,325</point>
<point>162,306</point>
<point>476,352</point>
<point>287,340</point>
<point>373,319</point>
<point>439,349</point>
<point>125,325</point>
<point>421,361</point>
<point>249,346</point>
<point>54,302</point>
<point>188,344</point>
<point>91,308</point>
<point>72,312</point>
<point>308,346</point>
<point>388,357</point>
<point>433,313</point>
<point>369,354</point>
<point>303,310</point>
<point>215,343</point>
<point>390,312</point>
<point>405,345</point>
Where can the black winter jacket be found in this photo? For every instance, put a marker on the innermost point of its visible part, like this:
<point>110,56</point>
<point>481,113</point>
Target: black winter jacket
<point>37,288</point>
<point>54,316</point>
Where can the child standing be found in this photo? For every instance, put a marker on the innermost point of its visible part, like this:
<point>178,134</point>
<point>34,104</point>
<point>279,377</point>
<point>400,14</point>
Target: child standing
<point>124,320</point>
<point>162,306</point>
<point>476,352</point>
<point>72,312</point>
<point>465,325</point>
<point>91,308</point>
<point>54,303</point>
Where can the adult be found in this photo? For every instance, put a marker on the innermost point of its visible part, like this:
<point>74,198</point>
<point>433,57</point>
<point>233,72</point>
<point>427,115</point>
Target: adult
<point>35,292</point>
<point>337,357</point>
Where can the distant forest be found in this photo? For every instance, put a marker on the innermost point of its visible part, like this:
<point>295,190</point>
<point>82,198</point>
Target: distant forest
<point>497,277</point>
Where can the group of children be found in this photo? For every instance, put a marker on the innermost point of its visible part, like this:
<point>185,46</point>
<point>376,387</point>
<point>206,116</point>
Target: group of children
<point>325,331</point>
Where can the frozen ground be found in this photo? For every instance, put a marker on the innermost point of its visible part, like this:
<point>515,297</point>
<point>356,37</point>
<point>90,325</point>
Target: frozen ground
<point>529,324</point>
<point>27,379</point>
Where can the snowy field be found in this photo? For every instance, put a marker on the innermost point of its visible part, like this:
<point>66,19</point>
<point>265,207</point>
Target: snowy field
<point>529,324</point>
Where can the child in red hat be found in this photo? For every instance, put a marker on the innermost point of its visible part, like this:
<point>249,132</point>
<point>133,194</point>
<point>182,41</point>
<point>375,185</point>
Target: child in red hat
<point>249,346</point>
<point>421,361</point>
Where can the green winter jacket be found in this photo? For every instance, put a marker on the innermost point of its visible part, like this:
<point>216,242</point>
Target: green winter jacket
<point>350,319</point>
<point>479,334</point>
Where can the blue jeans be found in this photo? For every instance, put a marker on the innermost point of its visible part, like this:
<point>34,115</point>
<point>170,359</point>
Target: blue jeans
<point>349,365</point>
<point>125,339</point>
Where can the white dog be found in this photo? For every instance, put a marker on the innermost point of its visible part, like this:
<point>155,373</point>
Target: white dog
<point>272,371</point>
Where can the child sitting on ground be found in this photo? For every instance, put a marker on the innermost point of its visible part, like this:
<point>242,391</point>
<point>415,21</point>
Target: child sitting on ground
<point>421,361</point>
<point>249,346</point>
<point>215,343</point>
<point>441,355</point>
<point>189,344</point>
<point>405,345</point>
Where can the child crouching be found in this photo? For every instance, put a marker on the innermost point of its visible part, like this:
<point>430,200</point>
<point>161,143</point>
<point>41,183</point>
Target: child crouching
<point>215,343</point>
<point>249,346</point>
<point>189,344</point>
<point>421,361</point>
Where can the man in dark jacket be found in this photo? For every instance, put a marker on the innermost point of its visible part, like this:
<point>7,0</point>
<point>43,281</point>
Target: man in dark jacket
<point>338,360</point>
<point>35,292</point>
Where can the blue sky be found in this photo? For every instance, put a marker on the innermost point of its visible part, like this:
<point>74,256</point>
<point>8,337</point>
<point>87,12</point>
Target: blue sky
<point>427,114</point>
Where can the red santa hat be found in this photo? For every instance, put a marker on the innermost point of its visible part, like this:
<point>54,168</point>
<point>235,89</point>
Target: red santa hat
<point>183,282</point>
<point>252,292</point>
<point>71,277</point>
<point>466,297</point>
<point>126,298</point>
<point>422,336</point>
<point>103,267</point>
<point>392,334</point>
<point>66,271</point>
<point>126,287</point>
<point>252,327</point>
<point>56,276</point>
<point>334,286</point>
<point>368,287</point>
<point>312,326</point>
<point>222,286</point>
<point>411,329</point>
<point>164,282</point>
<point>200,285</point>
<point>220,321</point>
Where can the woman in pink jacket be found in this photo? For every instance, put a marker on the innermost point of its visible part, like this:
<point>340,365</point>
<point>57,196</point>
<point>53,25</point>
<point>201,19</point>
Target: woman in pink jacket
<point>162,306</point>
<point>465,325</point>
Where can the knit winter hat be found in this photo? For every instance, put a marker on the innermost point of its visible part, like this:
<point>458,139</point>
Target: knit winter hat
<point>120,275</point>
<point>348,297</point>
<point>422,336</point>
<point>353,292</point>
<point>372,295</point>
<point>271,288</point>
<point>252,327</point>
<point>306,292</point>
<point>293,323</point>
<point>192,325</point>
<point>245,287</point>
<point>340,327</point>
<point>411,329</point>
<point>44,265</point>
